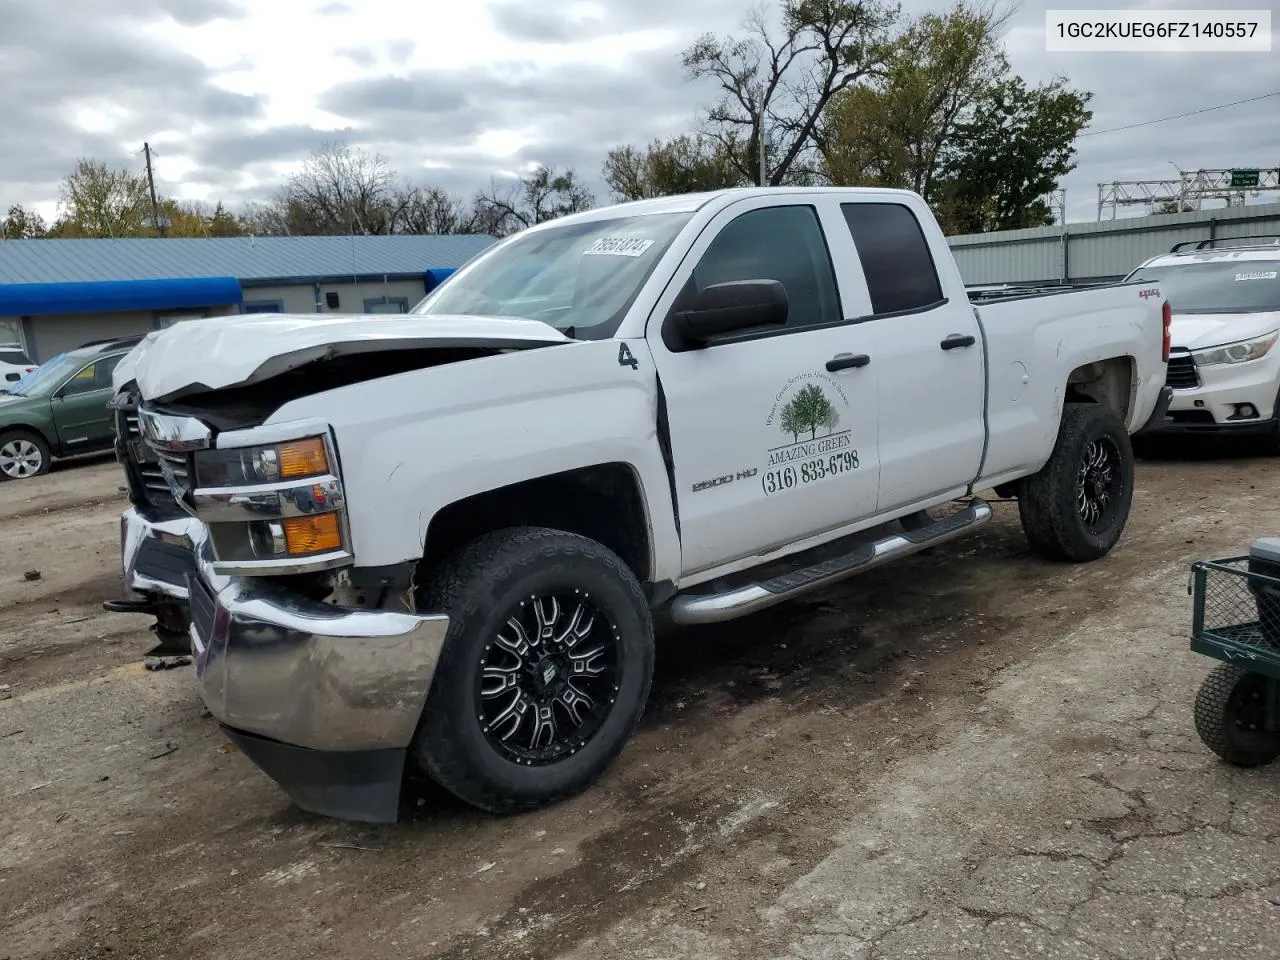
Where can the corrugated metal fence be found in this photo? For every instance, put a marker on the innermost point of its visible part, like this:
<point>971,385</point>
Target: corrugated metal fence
<point>1107,250</point>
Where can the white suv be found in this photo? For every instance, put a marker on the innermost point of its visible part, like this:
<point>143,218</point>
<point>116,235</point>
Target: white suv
<point>14,365</point>
<point>1223,365</point>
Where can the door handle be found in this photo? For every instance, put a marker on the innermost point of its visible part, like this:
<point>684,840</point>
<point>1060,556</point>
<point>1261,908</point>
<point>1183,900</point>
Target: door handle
<point>957,340</point>
<point>845,361</point>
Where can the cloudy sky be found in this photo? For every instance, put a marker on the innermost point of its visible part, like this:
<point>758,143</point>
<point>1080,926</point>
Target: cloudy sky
<point>232,93</point>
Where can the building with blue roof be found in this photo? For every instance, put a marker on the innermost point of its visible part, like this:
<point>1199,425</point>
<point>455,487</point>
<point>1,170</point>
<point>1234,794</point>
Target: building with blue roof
<point>56,295</point>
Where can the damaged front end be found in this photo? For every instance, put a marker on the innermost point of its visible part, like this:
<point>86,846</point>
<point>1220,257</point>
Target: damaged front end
<point>157,537</point>
<point>238,540</point>
<point>318,676</point>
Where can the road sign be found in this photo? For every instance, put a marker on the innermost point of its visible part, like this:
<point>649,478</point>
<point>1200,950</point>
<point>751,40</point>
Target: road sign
<point>1244,178</point>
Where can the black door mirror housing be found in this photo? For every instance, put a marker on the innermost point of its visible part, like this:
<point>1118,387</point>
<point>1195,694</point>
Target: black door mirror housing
<point>728,307</point>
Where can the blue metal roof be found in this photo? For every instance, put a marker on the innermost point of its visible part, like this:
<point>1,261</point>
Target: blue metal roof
<point>254,260</point>
<point>103,296</point>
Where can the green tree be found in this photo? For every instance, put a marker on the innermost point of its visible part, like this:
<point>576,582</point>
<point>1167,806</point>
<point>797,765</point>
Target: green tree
<point>892,131</point>
<point>789,421</point>
<point>1014,149</point>
<point>98,200</point>
<point>22,224</point>
<point>192,218</point>
<point>684,164</point>
<point>831,420</point>
<point>775,87</point>
<point>808,410</point>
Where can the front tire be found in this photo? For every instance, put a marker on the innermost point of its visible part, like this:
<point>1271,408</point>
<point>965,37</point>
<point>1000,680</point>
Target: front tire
<point>23,454</point>
<point>1076,507</point>
<point>1230,716</point>
<point>545,669</point>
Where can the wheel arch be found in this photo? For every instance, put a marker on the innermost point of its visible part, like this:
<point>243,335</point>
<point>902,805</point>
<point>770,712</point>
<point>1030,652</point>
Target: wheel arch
<point>1111,382</point>
<point>604,502</point>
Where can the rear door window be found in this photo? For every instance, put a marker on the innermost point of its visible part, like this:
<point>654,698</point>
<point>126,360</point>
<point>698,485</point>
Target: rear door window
<point>896,259</point>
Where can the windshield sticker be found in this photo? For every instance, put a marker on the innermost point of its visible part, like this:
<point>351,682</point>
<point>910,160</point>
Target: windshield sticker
<point>813,448</point>
<point>1258,275</point>
<point>617,247</point>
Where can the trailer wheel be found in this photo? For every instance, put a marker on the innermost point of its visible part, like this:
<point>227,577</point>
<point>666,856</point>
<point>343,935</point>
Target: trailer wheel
<point>544,673</point>
<point>1076,507</point>
<point>1231,716</point>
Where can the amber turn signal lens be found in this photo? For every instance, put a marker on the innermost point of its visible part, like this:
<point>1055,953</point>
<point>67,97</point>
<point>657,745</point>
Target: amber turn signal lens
<point>315,534</point>
<point>303,458</point>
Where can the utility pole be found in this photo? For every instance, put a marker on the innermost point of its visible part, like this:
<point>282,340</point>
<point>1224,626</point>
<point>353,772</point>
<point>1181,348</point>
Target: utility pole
<point>764,169</point>
<point>151,183</point>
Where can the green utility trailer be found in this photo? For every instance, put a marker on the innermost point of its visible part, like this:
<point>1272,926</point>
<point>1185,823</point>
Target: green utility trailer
<point>1236,620</point>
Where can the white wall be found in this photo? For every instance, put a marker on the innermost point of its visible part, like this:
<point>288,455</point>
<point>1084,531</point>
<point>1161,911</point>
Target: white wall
<point>301,298</point>
<point>61,332</point>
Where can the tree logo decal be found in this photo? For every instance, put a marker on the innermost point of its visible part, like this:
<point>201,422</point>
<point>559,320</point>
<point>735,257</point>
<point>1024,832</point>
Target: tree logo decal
<point>806,412</point>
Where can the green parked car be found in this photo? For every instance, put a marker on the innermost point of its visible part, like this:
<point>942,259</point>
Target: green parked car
<point>59,409</point>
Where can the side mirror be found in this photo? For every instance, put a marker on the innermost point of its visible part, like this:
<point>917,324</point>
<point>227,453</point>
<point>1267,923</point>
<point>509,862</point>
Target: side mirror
<point>728,307</point>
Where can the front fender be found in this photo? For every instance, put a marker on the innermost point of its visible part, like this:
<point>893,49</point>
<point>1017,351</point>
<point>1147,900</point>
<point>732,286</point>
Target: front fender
<point>413,443</point>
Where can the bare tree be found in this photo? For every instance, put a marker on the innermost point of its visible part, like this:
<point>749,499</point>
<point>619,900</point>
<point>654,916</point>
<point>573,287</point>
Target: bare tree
<point>541,196</point>
<point>430,210</point>
<point>775,88</point>
<point>339,190</point>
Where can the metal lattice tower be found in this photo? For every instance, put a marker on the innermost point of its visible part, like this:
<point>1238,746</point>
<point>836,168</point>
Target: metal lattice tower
<point>1192,188</point>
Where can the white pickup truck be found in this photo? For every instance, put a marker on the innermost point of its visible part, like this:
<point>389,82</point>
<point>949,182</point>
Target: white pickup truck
<point>440,539</point>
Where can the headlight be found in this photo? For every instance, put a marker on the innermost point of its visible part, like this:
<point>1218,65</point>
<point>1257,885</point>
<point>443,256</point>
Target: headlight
<point>273,508</point>
<point>245,466</point>
<point>286,538</point>
<point>1240,352</point>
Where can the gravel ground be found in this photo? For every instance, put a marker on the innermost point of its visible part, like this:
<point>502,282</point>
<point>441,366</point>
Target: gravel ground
<point>970,754</point>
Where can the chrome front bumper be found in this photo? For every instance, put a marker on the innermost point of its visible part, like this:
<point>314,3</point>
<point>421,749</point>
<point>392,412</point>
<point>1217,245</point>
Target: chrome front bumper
<point>280,666</point>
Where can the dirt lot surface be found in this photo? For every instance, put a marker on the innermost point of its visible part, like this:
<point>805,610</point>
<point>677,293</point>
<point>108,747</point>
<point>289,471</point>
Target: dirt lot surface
<point>973,754</point>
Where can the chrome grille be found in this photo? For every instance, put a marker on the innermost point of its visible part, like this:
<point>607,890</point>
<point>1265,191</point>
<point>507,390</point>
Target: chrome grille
<point>175,465</point>
<point>147,484</point>
<point>1182,373</point>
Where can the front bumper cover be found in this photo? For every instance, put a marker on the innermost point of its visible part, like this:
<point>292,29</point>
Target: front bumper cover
<point>301,683</point>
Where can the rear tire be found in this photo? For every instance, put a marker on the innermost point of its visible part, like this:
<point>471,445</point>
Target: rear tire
<point>539,620</point>
<point>1076,507</point>
<point>1230,716</point>
<point>23,454</point>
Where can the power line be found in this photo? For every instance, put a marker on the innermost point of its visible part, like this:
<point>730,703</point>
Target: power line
<point>1179,116</point>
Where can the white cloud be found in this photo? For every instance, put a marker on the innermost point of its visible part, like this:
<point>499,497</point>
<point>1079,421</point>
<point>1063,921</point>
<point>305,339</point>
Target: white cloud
<point>233,93</point>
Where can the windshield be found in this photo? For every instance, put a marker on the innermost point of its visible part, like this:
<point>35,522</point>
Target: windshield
<point>1241,286</point>
<point>580,278</point>
<point>47,378</point>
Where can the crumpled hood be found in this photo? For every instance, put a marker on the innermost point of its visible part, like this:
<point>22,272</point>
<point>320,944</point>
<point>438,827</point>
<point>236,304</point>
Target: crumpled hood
<point>219,352</point>
<point>1195,331</point>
